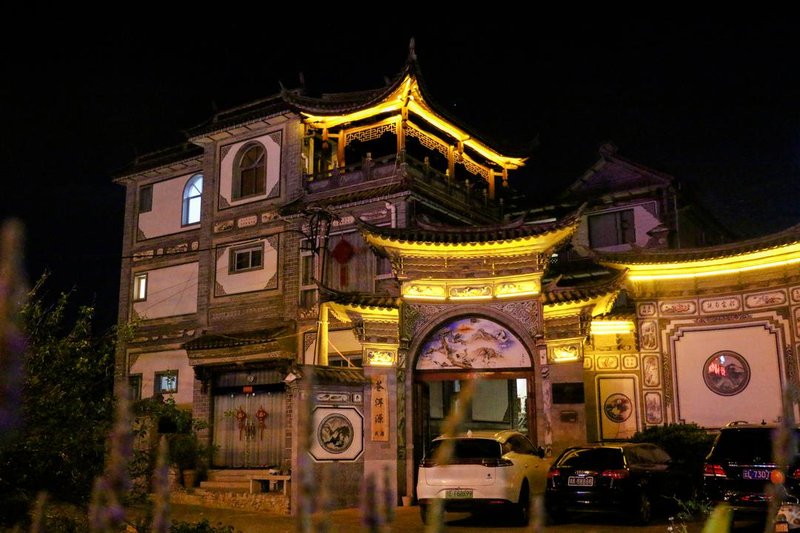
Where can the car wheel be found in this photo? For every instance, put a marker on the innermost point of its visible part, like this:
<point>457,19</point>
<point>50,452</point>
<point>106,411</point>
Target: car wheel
<point>423,513</point>
<point>523,506</point>
<point>644,509</point>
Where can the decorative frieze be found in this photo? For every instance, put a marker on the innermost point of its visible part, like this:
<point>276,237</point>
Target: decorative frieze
<point>795,294</point>
<point>180,248</point>
<point>686,307</point>
<point>653,410</point>
<point>630,362</point>
<point>646,309</point>
<point>648,335</point>
<point>222,226</point>
<point>723,318</point>
<point>721,305</point>
<point>239,312</point>
<point>650,370</point>
<point>246,222</point>
<point>523,311</point>
<point>607,362</point>
<point>765,299</point>
<point>333,397</point>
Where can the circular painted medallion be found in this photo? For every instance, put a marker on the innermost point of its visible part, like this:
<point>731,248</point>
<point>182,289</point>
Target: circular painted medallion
<point>726,373</point>
<point>617,407</point>
<point>335,433</point>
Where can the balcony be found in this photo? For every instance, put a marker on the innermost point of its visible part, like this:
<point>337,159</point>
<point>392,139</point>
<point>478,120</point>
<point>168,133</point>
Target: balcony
<point>387,174</point>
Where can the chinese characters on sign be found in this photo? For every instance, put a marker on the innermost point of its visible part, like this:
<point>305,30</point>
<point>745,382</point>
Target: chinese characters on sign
<point>380,409</point>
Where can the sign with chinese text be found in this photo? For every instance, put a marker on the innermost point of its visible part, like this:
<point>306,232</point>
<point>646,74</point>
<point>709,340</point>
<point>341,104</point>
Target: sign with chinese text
<point>380,408</point>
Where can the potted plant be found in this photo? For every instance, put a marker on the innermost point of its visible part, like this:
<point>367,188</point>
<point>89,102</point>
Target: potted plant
<point>188,455</point>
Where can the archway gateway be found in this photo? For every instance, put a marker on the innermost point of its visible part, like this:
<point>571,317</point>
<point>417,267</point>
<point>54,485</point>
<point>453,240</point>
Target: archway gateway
<point>476,369</point>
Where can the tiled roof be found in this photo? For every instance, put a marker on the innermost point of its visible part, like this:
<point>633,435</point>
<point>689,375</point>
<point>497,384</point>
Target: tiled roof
<point>646,256</point>
<point>432,233</point>
<point>297,205</point>
<point>160,158</point>
<point>554,293</point>
<point>272,105</point>
<point>230,340</point>
<point>337,375</point>
<point>360,299</point>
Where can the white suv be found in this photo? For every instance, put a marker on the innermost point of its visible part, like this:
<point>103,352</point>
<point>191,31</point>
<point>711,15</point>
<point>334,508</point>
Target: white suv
<point>481,470</point>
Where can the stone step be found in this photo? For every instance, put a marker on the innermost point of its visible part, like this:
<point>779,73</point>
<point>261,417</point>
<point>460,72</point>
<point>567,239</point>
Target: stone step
<point>232,475</point>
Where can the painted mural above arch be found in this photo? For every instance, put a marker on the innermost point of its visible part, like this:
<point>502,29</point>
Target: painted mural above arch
<point>472,343</point>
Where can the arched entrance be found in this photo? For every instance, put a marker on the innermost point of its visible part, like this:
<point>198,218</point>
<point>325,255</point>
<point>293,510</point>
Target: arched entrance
<point>477,349</point>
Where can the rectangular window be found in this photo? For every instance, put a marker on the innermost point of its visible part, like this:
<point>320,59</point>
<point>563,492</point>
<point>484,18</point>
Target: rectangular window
<point>612,229</point>
<point>146,199</point>
<point>344,360</point>
<point>140,287</point>
<point>135,387</point>
<point>246,259</point>
<point>166,382</point>
<point>308,289</point>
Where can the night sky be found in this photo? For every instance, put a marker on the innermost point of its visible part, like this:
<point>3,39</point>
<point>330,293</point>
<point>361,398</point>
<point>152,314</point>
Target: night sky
<point>714,103</point>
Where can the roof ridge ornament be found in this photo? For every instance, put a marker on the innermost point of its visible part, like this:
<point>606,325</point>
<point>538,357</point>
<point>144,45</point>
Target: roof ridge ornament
<point>412,53</point>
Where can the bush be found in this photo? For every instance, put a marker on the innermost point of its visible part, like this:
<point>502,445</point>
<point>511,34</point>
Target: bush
<point>204,526</point>
<point>687,444</point>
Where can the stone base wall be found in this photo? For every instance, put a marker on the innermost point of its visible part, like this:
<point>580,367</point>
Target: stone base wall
<point>272,502</point>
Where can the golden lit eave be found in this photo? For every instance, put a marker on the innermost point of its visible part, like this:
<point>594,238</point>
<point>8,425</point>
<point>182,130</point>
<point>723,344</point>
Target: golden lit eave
<point>600,305</point>
<point>468,250</point>
<point>408,95</point>
<point>763,259</point>
<point>371,314</point>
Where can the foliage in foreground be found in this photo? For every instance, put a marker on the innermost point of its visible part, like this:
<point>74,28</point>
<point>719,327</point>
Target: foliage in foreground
<point>66,405</point>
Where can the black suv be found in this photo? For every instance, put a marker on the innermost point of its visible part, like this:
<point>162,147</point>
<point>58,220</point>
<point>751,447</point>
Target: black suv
<point>740,469</point>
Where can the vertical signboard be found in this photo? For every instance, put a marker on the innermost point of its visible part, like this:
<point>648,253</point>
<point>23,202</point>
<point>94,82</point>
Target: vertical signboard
<point>380,408</point>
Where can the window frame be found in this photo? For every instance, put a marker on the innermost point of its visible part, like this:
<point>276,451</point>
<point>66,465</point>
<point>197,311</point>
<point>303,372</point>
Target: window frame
<point>259,167</point>
<point>140,285</point>
<point>158,376</point>
<point>235,252</point>
<point>307,297</point>
<point>144,202</point>
<point>625,235</point>
<point>134,387</point>
<point>188,201</point>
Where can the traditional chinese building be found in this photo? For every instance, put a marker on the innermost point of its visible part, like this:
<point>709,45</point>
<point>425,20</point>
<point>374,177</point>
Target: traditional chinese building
<point>354,259</point>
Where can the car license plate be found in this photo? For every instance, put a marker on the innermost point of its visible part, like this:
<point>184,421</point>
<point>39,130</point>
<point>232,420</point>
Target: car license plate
<point>458,493</point>
<point>750,473</point>
<point>575,481</point>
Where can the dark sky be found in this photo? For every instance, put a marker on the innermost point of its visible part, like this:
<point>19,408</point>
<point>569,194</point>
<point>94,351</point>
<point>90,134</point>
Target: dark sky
<point>713,102</point>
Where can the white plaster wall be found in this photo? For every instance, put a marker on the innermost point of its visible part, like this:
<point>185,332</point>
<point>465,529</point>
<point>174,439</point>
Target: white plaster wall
<point>147,364</point>
<point>166,216</point>
<point>171,291</point>
<point>643,221</point>
<point>760,400</point>
<point>252,280</point>
<point>226,169</point>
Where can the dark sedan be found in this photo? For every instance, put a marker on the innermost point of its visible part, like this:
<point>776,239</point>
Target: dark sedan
<point>629,479</point>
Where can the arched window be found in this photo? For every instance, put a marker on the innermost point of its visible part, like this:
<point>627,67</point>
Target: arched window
<point>192,194</point>
<point>250,172</point>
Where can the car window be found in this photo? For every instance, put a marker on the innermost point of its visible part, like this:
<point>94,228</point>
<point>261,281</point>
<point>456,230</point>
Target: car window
<point>520,444</point>
<point>592,458</point>
<point>744,444</point>
<point>470,448</point>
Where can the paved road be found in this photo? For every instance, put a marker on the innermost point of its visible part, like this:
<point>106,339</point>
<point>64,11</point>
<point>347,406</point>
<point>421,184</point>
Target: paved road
<point>407,519</point>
